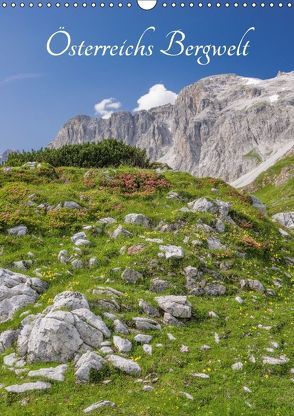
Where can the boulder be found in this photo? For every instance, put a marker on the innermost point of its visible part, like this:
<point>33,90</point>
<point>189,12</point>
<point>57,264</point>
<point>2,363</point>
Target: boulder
<point>71,205</point>
<point>122,344</point>
<point>7,338</point>
<point>146,323</point>
<point>285,218</point>
<point>70,301</point>
<point>172,252</point>
<point>126,366</point>
<point>137,219</point>
<point>168,319</point>
<point>143,338</point>
<point>23,388</point>
<point>252,284</point>
<point>159,285</point>
<point>215,289</point>
<point>86,363</point>
<point>17,291</point>
<point>63,256</point>
<point>18,231</point>
<point>120,327</point>
<point>51,373</point>
<point>78,236</point>
<point>131,276</point>
<point>148,309</point>
<point>60,335</point>
<point>120,231</point>
<point>177,306</point>
<point>215,206</point>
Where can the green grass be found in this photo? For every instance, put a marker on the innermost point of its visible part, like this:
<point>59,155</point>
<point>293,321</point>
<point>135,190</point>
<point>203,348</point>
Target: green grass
<point>254,235</point>
<point>275,187</point>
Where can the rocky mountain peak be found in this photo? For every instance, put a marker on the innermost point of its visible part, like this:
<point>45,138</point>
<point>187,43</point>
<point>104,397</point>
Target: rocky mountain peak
<point>222,126</point>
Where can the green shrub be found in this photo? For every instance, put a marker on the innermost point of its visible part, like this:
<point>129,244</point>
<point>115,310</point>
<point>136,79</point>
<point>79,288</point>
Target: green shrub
<point>89,155</point>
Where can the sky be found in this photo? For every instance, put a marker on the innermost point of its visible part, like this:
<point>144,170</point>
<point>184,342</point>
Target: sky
<point>40,92</point>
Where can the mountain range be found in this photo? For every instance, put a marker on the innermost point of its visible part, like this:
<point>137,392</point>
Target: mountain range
<point>224,126</point>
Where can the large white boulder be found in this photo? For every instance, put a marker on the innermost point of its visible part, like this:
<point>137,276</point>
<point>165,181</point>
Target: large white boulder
<point>61,335</point>
<point>17,291</point>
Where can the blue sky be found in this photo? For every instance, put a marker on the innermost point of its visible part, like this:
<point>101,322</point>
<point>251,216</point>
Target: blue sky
<point>38,92</point>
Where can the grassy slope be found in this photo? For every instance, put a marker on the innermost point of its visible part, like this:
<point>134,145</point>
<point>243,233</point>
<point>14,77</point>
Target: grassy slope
<point>275,187</point>
<point>238,324</point>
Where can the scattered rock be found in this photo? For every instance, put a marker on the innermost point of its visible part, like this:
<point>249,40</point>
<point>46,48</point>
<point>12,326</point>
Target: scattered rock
<point>159,285</point>
<point>71,205</point>
<point>137,219</point>
<point>120,231</point>
<point>7,338</point>
<point>77,264</point>
<point>184,348</point>
<point>256,203</point>
<point>93,262</point>
<point>143,339</point>
<point>215,207</point>
<point>252,284</point>
<point>148,388</point>
<point>212,314</point>
<point>215,289</point>
<point>63,256</point>
<point>125,365</point>
<point>177,306</point>
<point>22,388</point>
<point>275,361</point>
<point>88,362</point>
<point>99,405</point>
<point>107,220</point>
<point>239,300</point>
<point>12,360</point>
<point>131,276</point>
<point>148,309</point>
<point>168,319</point>
<point>187,395</point>
<point>51,373</point>
<point>237,366</point>
<point>147,349</point>
<point>215,244</point>
<point>146,323</point>
<point>172,252</point>
<point>120,327</point>
<point>122,344</point>
<point>200,375</point>
<point>285,218</point>
<point>18,231</point>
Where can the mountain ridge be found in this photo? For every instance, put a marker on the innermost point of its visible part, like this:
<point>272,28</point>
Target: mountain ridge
<point>221,126</point>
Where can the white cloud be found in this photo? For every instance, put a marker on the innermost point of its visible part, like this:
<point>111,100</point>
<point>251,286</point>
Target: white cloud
<point>19,77</point>
<point>107,106</point>
<point>156,96</point>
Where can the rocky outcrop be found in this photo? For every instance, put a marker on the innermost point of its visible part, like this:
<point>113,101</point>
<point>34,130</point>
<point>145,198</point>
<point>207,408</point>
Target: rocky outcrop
<point>221,126</point>
<point>17,291</point>
<point>60,335</point>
